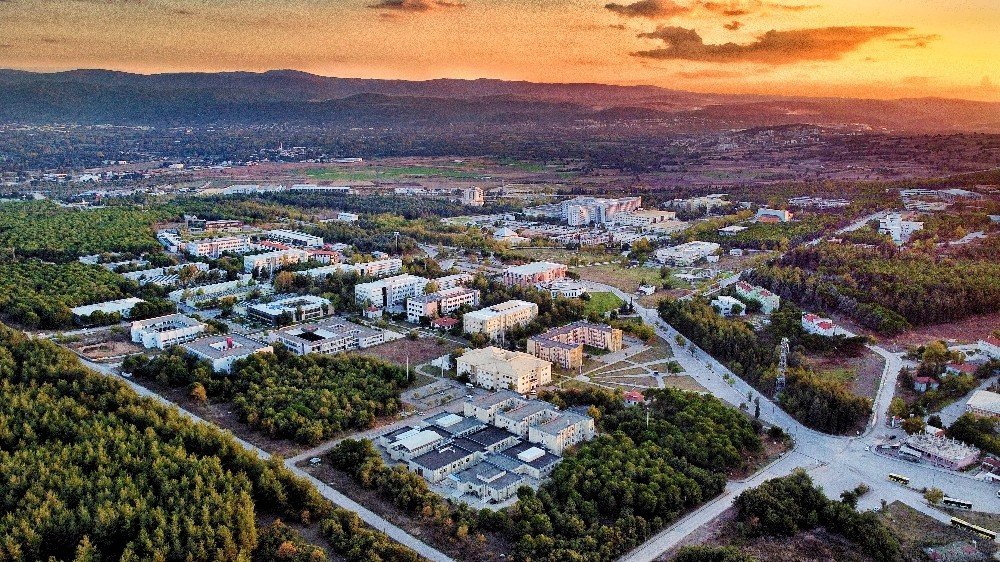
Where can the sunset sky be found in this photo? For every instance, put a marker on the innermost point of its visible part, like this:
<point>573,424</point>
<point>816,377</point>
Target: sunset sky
<point>864,48</point>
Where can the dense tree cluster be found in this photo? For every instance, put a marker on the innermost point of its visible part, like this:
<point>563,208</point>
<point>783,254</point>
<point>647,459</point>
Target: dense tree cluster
<point>307,399</point>
<point>759,236</point>
<point>975,430</point>
<point>786,506</point>
<point>91,471</point>
<point>40,295</point>
<point>46,231</point>
<point>820,403</point>
<point>883,288</point>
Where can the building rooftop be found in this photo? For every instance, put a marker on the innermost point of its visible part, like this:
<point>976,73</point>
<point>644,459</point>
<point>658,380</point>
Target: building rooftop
<point>531,455</point>
<point>490,475</point>
<point>107,307</point>
<point>565,419</point>
<point>454,424</point>
<point>415,439</point>
<point>527,409</point>
<point>442,456</point>
<point>164,323</point>
<point>219,347</point>
<point>494,398</point>
<point>534,267</point>
<point>985,400</point>
<point>489,436</point>
<point>941,447</point>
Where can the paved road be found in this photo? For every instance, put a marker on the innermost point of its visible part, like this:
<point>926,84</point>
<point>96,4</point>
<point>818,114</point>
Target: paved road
<point>372,519</point>
<point>836,463</point>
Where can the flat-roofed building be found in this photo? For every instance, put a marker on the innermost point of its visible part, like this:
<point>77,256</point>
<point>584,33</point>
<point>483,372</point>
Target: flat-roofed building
<point>163,275</point>
<point>486,407</point>
<point>488,481</point>
<point>587,210</point>
<point>391,291</point>
<point>216,247</point>
<point>438,463</point>
<point>325,256</point>
<point>406,443</point>
<point>496,320</point>
<point>564,345</point>
<point>295,238</point>
<point>897,228</point>
<point>122,307</point>
<point>452,281</point>
<point>223,351</point>
<point>566,430</point>
<point>766,215</point>
<point>165,331</point>
<point>333,336</point>
<point>533,273</point>
<point>520,418</point>
<point>984,403</point>
<point>566,288</point>
<point>687,254</point>
<point>530,459</point>
<point>499,369</point>
<point>238,289</point>
<point>728,306</point>
<point>990,347</point>
<point>644,217</point>
<point>379,268</point>
<point>273,260</point>
<point>455,425</point>
<point>297,308</point>
<point>440,303</point>
<point>942,451</point>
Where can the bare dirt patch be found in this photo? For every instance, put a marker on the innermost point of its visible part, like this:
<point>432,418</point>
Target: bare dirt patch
<point>405,350</point>
<point>969,330</point>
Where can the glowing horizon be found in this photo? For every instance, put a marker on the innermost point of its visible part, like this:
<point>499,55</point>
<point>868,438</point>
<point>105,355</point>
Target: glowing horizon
<point>844,48</point>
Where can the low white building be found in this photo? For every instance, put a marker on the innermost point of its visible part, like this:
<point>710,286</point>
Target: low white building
<point>814,324</point>
<point>333,336</point>
<point>239,289</point>
<point>898,229</point>
<point>122,307</point>
<point>772,215</point>
<point>297,308</point>
<point>984,403</point>
<point>273,260</point>
<point>223,351</point>
<point>347,217</point>
<point>295,238</point>
<point>216,247</point>
<point>728,305</point>
<point>379,268</point>
<point>990,346</point>
<point>687,254</point>
<point>644,217</point>
<point>566,288</point>
<point>165,331</point>
<point>769,301</point>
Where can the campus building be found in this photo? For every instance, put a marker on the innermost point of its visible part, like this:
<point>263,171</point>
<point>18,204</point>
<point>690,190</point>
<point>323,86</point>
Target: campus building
<point>273,260</point>
<point>216,247</point>
<point>238,289</point>
<point>984,403</point>
<point>379,268</point>
<point>440,303</point>
<point>329,337</point>
<point>223,351</point>
<point>122,307</point>
<point>940,451</point>
<point>533,273</point>
<point>496,320</point>
<point>499,369</point>
<point>898,229</point>
<point>304,308</point>
<point>295,238</point>
<point>644,218</point>
<point>391,291</point>
<point>768,300</point>
<point>564,346</point>
<point>165,331</point>
<point>686,254</point>
<point>588,210</point>
<point>766,215</point>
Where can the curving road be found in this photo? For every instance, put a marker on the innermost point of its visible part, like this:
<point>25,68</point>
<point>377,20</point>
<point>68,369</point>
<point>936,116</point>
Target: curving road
<point>836,463</point>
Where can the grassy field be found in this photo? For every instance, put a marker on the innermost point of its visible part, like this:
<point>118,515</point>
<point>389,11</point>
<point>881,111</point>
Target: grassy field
<point>372,173</point>
<point>569,257</point>
<point>626,279</point>
<point>601,303</point>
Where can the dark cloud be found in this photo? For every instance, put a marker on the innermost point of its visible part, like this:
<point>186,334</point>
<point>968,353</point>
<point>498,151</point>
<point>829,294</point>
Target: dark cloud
<point>650,9</point>
<point>773,47</point>
<point>416,6</point>
<point>737,8</point>
<point>708,74</point>
<point>733,25</point>
<point>914,41</point>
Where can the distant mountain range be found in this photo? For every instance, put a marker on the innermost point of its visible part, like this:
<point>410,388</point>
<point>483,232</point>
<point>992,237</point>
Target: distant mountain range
<point>298,98</point>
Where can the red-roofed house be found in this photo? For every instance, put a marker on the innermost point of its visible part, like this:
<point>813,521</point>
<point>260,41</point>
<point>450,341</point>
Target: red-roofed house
<point>923,384</point>
<point>958,369</point>
<point>634,398</point>
<point>325,256</point>
<point>444,323</point>
<point>817,325</point>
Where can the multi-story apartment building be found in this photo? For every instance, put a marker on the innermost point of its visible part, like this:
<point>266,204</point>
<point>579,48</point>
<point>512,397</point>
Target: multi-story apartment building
<point>566,430</point>
<point>535,272</point>
<point>440,303</point>
<point>391,291</point>
<point>273,260</point>
<point>328,337</point>
<point>499,369</point>
<point>564,346</point>
<point>379,268</point>
<point>295,238</point>
<point>644,218</point>
<point>215,247</point>
<point>587,210</point>
<point>165,331</point>
<point>772,215</point>
<point>496,320</point>
<point>450,281</point>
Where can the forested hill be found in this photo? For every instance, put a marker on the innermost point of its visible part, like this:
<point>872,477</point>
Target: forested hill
<point>291,97</point>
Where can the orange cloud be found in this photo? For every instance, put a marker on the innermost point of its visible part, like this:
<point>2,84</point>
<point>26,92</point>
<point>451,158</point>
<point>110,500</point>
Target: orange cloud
<point>733,25</point>
<point>773,47</point>
<point>650,9</point>
<point>415,5</point>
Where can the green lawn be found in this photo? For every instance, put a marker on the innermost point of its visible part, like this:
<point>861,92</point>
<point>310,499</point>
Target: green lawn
<point>601,303</point>
<point>369,173</point>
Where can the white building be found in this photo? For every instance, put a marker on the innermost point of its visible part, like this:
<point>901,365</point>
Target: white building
<point>725,305</point>
<point>441,303</point>
<point>452,281</point>
<point>566,288</point>
<point>587,210</point>
<point>990,346</point>
<point>379,268</point>
<point>898,229</point>
<point>295,238</point>
<point>223,351</point>
<point>163,275</point>
<point>347,217</point>
<point>473,197</point>
<point>298,308</point>
<point>772,215</point>
<point>510,236</point>
<point>814,324</point>
<point>333,336</point>
<point>500,369</point>
<point>391,291</point>
<point>238,289</point>
<point>273,260</point>
<point>564,431</point>
<point>165,331</point>
<point>122,306</point>
<point>216,247</point>
<point>534,272</point>
<point>644,218</point>
<point>498,319</point>
<point>768,300</point>
<point>984,403</point>
<point>686,254</point>
<point>732,230</point>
